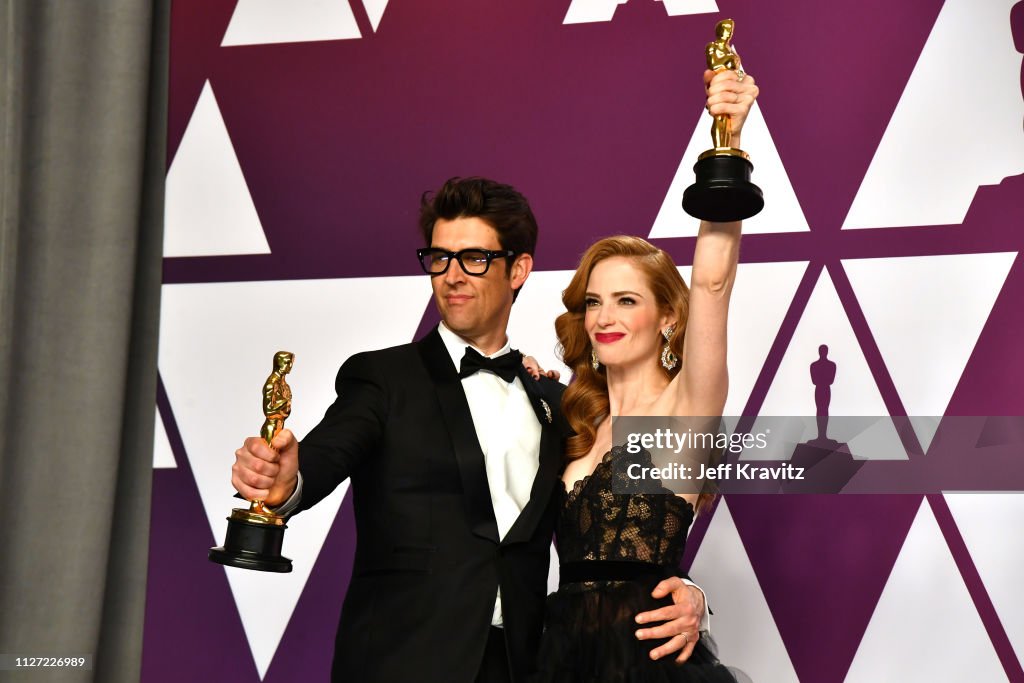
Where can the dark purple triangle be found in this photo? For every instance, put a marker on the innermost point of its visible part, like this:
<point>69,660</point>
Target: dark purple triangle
<point>192,628</point>
<point>822,562</point>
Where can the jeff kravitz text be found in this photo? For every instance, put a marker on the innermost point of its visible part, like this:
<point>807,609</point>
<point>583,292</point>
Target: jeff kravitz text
<point>744,471</point>
<point>688,454</point>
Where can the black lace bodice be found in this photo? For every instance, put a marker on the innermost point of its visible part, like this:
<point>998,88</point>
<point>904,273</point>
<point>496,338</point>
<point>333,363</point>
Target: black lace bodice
<point>597,524</point>
<point>617,539</point>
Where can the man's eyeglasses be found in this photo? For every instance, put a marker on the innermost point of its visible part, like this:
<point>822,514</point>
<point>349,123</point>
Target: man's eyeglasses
<point>473,261</point>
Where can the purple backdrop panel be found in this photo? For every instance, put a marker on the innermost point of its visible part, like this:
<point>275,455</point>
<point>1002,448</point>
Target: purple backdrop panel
<point>333,140</point>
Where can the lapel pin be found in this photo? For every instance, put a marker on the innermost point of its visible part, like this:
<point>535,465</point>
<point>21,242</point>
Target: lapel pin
<point>547,409</point>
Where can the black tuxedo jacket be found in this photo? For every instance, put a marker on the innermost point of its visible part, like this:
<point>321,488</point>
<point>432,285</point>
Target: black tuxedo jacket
<point>428,562</point>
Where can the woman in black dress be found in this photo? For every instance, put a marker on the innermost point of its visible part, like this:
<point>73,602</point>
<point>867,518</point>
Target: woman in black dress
<point>640,343</point>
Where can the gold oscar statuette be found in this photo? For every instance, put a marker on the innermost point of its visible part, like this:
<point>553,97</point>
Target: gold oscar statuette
<point>723,191</point>
<point>255,534</point>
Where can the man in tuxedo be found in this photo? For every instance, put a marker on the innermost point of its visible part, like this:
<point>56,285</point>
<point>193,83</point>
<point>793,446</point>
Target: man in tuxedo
<point>454,452</point>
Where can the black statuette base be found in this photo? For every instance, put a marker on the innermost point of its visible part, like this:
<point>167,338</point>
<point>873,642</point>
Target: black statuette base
<point>723,191</point>
<point>252,546</point>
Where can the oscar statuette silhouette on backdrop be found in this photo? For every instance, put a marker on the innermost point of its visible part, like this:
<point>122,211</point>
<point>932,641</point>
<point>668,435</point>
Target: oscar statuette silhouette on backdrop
<point>829,464</point>
<point>823,374</point>
<point>255,535</point>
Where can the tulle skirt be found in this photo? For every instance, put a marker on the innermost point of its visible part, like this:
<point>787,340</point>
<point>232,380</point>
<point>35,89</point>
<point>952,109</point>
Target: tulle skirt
<point>589,637</point>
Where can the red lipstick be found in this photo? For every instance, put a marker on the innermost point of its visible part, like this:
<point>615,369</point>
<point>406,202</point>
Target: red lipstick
<point>609,337</point>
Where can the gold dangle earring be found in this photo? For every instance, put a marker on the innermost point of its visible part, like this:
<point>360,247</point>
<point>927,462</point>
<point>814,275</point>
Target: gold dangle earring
<point>668,359</point>
<point>594,362</point>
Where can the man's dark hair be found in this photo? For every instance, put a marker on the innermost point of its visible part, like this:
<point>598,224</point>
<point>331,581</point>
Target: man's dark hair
<point>500,206</point>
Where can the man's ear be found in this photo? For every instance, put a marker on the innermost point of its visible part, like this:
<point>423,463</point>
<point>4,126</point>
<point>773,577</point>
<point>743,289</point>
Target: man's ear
<point>521,269</point>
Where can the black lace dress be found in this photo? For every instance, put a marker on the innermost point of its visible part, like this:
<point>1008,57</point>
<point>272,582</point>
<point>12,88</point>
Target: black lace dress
<point>613,550</point>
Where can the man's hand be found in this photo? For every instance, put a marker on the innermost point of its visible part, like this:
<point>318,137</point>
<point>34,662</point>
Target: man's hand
<point>264,473</point>
<point>681,619</point>
<point>535,370</point>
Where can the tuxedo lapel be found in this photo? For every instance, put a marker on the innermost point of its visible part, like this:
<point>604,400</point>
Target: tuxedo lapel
<point>550,460</point>
<point>459,421</point>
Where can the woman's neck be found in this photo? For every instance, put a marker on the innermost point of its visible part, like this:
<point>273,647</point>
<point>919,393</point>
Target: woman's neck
<point>633,388</point>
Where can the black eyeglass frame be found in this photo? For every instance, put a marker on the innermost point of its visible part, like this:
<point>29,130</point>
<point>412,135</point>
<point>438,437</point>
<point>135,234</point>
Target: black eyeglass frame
<point>457,256</point>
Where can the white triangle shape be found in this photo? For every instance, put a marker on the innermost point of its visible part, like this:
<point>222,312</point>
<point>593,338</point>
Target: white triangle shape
<point>938,147</point>
<point>678,8</point>
<point>760,299</point>
<point>375,11</point>
<point>988,523</point>
<point>216,348</point>
<point>588,11</point>
<point>743,626</point>
<point>163,456</point>
<point>553,572</point>
<point>782,212</point>
<point>925,626</point>
<point>854,392</point>
<point>262,22</point>
<point>925,328</point>
<point>208,209</point>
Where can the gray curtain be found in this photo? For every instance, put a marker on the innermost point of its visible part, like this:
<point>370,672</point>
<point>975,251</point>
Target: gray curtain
<point>82,120</point>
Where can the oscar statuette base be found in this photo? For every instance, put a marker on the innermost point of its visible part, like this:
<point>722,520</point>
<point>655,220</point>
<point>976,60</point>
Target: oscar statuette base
<point>723,192</point>
<point>253,541</point>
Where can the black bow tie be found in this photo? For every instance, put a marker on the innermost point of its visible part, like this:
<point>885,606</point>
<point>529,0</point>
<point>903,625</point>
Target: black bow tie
<point>505,366</point>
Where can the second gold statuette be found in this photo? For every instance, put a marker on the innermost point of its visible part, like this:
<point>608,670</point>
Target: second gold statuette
<point>255,534</point>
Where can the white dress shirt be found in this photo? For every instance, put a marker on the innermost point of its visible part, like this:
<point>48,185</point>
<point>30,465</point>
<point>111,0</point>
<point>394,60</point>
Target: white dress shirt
<point>509,436</point>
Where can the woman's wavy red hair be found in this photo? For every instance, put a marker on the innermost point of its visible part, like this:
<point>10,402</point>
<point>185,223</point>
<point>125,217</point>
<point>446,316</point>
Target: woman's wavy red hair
<point>585,401</point>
